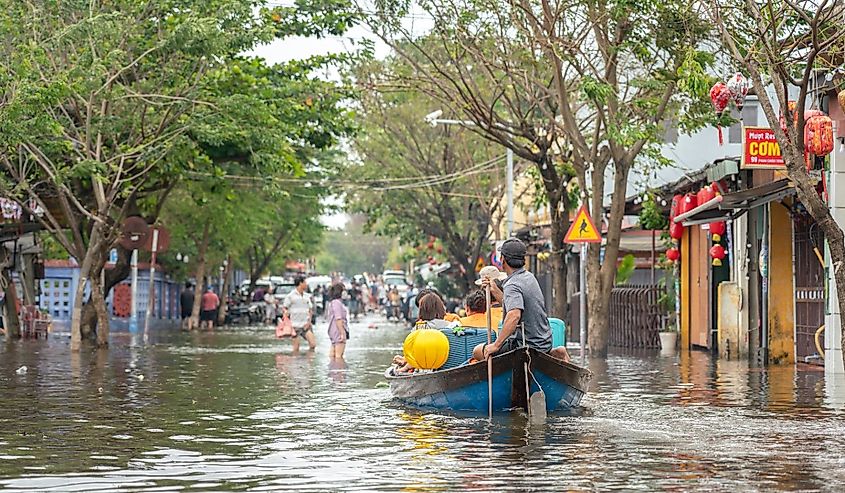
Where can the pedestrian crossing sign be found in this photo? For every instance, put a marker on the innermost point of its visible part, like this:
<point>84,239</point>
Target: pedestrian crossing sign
<point>582,229</point>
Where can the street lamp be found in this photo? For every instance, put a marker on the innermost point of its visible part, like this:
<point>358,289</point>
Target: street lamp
<point>434,119</point>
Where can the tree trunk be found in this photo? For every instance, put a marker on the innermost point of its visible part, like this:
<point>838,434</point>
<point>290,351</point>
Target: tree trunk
<point>114,276</point>
<point>598,309</point>
<point>557,261</point>
<point>27,277</point>
<point>98,301</point>
<point>202,250</point>
<point>11,321</point>
<point>601,273</point>
<point>224,291</point>
<point>84,274</point>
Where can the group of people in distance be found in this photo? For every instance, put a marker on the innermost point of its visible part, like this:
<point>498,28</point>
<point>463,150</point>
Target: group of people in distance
<point>298,307</point>
<point>209,304</point>
<point>517,309</point>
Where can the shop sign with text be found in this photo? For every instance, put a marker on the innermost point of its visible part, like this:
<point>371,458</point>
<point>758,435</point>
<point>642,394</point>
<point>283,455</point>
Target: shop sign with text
<point>760,149</point>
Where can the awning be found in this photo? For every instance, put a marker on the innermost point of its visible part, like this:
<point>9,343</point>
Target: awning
<point>757,196</point>
<point>733,205</point>
<point>702,208</point>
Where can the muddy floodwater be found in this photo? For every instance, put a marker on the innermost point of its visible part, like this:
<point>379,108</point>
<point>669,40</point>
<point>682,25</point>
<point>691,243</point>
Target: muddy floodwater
<point>235,410</point>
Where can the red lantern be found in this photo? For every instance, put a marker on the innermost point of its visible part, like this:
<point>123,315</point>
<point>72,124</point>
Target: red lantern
<point>430,245</point>
<point>818,135</point>
<point>439,249</point>
<point>673,254</point>
<point>705,195</point>
<point>688,203</point>
<point>676,230</point>
<point>676,205</point>
<point>738,87</point>
<point>717,230</point>
<point>720,95</point>
<point>717,252</point>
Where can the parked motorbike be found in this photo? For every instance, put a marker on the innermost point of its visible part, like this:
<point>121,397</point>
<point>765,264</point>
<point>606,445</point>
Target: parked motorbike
<point>255,312</point>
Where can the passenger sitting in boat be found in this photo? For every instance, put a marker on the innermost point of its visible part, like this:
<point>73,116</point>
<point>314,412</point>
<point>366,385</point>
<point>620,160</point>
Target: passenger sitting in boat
<point>432,311</point>
<point>476,307</point>
<point>525,322</point>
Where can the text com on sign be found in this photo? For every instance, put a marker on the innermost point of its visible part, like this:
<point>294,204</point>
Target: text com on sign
<point>760,149</point>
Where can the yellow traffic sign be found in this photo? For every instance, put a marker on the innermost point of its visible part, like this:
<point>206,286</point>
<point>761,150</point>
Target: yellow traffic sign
<point>582,229</point>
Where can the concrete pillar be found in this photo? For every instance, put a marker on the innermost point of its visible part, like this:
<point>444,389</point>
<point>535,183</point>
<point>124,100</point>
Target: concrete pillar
<point>740,275</point>
<point>833,334</point>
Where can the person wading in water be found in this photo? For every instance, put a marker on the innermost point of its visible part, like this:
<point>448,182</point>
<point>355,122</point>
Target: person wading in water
<point>300,309</point>
<point>186,304</point>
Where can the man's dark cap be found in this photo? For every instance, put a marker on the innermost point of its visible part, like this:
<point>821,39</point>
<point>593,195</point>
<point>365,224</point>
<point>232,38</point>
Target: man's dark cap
<point>513,248</point>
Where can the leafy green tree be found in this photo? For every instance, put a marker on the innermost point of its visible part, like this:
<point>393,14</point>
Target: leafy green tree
<point>440,181</point>
<point>580,88</point>
<point>107,105</point>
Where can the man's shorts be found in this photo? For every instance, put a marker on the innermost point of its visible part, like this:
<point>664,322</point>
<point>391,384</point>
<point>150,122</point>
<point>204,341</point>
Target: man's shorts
<point>207,315</point>
<point>301,331</point>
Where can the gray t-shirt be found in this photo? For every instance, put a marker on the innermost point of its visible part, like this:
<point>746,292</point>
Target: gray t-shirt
<point>522,292</point>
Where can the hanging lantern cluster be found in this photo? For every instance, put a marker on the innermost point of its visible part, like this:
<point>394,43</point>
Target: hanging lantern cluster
<point>717,228</point>
<point>706,194</point>
<point>681,204</point>
<point>722,94</point>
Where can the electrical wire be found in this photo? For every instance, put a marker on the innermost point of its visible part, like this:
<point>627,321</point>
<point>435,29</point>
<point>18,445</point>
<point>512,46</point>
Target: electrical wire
<point>373,184</point>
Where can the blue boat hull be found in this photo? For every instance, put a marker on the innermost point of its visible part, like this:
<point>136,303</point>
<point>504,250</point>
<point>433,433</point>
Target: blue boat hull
<point>465,388</point>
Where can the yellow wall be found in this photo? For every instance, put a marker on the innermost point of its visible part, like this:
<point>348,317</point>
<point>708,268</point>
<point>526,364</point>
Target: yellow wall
<point>685,290</point>
<point>781,291</point>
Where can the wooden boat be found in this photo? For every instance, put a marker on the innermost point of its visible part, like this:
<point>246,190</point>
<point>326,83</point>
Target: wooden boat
<point>464,388</point>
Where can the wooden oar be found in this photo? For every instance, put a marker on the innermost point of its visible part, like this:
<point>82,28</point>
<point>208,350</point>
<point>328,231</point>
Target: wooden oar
<point>489,358</point>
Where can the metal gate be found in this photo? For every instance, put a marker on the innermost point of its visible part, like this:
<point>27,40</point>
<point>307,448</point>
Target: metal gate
<point>636,317</point>
<point>809,285</point>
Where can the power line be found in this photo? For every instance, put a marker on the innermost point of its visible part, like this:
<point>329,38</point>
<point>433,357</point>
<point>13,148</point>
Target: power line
<point>373,184</point>
<point>366,13</point>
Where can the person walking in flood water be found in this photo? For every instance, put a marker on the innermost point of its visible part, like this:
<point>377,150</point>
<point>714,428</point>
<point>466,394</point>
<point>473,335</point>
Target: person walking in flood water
<point>209,302</point>
<point>338,321</point>
<point>186,306</point>
<point>300,308</point>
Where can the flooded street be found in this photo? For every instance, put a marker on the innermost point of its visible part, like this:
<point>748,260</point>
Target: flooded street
<point>235,410</point>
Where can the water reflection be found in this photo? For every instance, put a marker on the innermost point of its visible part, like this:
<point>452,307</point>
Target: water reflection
<point>337,370</point>
<point>236,409</point>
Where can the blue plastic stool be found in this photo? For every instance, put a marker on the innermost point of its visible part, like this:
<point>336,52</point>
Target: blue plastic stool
<point>558,332</point>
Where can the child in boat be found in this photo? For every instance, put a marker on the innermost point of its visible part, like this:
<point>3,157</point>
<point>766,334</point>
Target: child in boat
<point>432,313</point>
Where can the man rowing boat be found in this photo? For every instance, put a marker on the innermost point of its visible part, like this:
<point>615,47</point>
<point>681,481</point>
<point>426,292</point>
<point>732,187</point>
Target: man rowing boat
<point>525,322</point>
